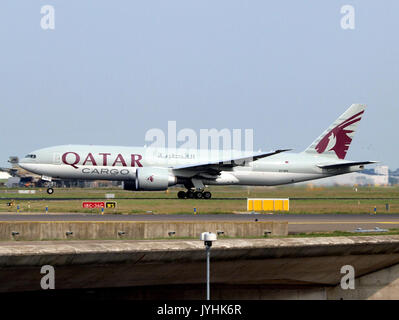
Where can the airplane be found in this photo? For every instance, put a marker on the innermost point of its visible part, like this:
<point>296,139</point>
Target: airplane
<point>155,169</point>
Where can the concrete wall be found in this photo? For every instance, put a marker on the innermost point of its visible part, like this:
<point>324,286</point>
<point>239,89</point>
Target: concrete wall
<point>102,230</point>
<point>285,268</point>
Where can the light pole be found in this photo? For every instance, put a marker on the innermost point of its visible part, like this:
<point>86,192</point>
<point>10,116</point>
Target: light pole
<point>208,238</point>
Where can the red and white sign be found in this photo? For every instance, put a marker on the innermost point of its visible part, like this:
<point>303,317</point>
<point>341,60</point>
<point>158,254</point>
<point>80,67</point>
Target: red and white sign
<point>93,205</point>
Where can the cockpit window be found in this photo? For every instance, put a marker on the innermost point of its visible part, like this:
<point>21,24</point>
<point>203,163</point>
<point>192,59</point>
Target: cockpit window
<point>32,156</point>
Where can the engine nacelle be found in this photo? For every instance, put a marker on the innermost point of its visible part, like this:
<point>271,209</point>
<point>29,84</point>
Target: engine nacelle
<point>152,179</point>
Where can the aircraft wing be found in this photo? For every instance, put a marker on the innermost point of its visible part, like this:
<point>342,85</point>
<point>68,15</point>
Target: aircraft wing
<point>344,164</point>
<point>219,165</point>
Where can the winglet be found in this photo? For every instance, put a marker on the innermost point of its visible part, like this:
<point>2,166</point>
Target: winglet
<point>267,154</point>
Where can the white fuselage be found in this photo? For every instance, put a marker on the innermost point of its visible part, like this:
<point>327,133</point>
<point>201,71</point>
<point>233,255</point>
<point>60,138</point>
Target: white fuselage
<point>87,162</point>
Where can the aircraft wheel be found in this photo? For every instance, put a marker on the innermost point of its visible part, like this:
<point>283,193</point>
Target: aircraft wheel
<point>181,195</point>
<point>190,194</point>
<point>207,195</point>
<point>198,195</point>
<point>50,190</point>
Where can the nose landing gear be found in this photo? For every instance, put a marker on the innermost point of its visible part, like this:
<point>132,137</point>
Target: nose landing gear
<point>48,183</point>
<point>191,194</point>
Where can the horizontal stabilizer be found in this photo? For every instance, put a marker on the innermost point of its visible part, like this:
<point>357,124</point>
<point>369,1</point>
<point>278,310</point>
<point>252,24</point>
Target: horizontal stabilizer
<point>344,164</point>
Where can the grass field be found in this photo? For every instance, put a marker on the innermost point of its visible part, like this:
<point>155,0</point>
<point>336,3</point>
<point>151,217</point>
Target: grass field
<point>225,200</point>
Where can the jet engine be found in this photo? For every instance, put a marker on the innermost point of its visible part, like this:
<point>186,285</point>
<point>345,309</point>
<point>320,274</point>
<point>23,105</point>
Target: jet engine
<point>151,179</point>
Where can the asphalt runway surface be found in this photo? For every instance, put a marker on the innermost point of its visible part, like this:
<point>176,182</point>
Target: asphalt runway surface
<point>297,223</point>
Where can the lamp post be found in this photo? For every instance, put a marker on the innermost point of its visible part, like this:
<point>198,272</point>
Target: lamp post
<point>208,238</point>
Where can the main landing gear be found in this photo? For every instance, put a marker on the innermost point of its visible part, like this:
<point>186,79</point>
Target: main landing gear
<point>191,194</point>
<point>50,190</point>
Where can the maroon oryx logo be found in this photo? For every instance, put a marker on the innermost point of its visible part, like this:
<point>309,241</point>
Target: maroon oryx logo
<point>151,178</point>
<point>337,139</point>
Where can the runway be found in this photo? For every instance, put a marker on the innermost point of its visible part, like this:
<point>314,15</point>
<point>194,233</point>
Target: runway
<point>163,198</point>
<point>297,223</point>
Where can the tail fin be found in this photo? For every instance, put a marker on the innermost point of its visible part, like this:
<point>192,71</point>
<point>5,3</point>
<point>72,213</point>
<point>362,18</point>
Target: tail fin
<point>335,141</point>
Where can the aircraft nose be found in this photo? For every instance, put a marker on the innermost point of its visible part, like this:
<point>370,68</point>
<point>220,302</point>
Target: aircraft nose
<point>26,162</point>
<point>27,166</point>
<point>22,164</point>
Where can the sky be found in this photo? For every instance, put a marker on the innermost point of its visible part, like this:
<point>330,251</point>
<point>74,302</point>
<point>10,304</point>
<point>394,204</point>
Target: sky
<point>112,70</point>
